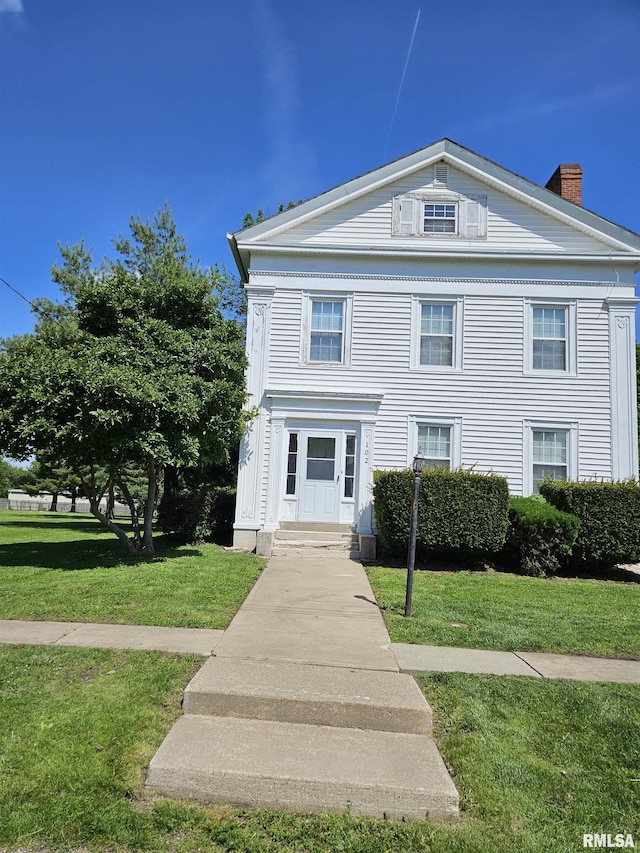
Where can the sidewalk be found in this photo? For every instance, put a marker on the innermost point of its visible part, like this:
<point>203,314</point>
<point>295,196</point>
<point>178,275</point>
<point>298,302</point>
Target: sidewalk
<point>404,657</point>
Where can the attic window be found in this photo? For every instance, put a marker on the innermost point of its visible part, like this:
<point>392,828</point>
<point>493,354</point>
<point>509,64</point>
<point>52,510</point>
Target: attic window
<point>440,175</point>
<point>440,218</point>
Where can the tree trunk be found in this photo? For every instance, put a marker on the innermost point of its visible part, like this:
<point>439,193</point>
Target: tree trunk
<point>74,496</point>
<point>54,502</point>
<point>118,531</point>
<point>150,505</point>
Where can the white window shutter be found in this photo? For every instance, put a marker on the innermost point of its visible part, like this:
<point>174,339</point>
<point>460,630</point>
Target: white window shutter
<point>475,219</point>
<point>404,215</point>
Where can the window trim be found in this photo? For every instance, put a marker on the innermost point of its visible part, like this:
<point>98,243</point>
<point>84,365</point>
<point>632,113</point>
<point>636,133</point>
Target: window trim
<point>308,298</point>
<point>529,427</point>
<point>455,437</point>
<point>571,360</point>
<point>418,300</point>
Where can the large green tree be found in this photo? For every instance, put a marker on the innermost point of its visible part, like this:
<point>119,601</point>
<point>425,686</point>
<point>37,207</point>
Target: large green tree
<point>137,368</point>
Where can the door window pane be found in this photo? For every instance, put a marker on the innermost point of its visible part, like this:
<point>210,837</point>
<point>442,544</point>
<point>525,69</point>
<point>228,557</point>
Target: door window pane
<point>321,454</point>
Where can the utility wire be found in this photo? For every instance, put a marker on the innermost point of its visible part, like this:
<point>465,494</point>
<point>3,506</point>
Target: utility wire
<point>11,287</point>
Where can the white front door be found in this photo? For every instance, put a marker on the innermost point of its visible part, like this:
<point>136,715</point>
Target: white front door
<point>320,465</point>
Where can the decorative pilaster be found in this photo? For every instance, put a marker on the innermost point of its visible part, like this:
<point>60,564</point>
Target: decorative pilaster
<point>365,479</point>
<point>276,473</point>
<point>624,412</point>
<point>248,509</point>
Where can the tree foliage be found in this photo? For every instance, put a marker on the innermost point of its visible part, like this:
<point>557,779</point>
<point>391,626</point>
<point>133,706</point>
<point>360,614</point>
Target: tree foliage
<point>137,368</point>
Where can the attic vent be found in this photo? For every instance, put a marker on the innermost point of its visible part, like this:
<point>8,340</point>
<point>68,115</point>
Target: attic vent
<point>440,175</point>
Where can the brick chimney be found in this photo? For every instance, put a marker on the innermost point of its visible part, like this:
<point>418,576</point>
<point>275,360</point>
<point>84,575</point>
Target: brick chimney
<point>566,181</point>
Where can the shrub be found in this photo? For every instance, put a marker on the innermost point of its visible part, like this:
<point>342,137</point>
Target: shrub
<point>459,512</point>
<point>540,537</point>
<point>609,516</point>
<point>197,516</point>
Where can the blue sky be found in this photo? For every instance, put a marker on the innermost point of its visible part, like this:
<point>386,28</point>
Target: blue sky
<point>109,107</point>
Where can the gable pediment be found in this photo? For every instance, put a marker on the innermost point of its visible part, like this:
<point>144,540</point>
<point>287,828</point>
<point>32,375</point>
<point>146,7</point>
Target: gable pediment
<point>449,201</point>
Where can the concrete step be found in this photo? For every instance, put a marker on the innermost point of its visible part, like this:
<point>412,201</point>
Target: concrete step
<point>315,536</point>
<point>304,768</point>
<point>309,551</point>
<point>328,544</point>
<point>321,526</point>
<point>303,693</point>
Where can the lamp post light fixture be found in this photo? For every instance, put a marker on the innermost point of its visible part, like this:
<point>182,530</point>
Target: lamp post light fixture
<point>419,464</point>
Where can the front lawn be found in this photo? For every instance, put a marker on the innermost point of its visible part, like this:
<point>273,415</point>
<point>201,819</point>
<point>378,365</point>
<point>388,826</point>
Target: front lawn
<point>511,612</point>
<point>537,764</point>
<point>68,568</point>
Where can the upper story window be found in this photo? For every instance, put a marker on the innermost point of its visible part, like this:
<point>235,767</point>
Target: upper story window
<point>327,320</point>
<point>550,337</point>
<point>436,334</point>
<point>326,328</point>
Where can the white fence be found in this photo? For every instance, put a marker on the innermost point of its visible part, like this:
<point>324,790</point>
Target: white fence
<point>22,502</point>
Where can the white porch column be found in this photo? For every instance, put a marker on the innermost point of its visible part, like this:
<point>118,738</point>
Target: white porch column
<point>624,411</point>
<point>248,510</point>
<point>364,503</point>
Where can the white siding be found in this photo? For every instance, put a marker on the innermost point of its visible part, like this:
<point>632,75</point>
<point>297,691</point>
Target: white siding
<point>512,226</point>
<point>492,394</point>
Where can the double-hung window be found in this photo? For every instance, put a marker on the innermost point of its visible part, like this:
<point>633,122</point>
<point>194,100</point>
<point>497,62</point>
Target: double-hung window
<point>549,455</point>
<point>439,218</point>
<point>327,330</point>
<point>434,442</point>
<point>437,333</point>
<point>438,439</point>
<point>551,452</point>
<point>550,337</point>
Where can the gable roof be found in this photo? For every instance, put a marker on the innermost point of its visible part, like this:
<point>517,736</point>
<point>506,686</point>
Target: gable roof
<point>623,242</point>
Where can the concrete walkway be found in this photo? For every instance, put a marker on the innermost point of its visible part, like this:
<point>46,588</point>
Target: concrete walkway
<point>410,658</point>
<point>303,707</point>
<point>405,657</point>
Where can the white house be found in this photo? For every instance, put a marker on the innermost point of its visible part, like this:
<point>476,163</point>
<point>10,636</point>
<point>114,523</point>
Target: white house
<point>440,303</point>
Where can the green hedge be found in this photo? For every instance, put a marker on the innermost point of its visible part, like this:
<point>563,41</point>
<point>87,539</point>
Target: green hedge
<point>458,512</point>
<point>540,537</point>
<point>609,516</point>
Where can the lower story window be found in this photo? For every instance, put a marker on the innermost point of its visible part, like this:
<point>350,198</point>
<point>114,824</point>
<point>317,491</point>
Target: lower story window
<point>549,456</point>
<point>434,442</point>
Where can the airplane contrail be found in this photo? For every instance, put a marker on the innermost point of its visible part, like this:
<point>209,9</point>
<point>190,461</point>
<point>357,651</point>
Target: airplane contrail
<point>404,73</point>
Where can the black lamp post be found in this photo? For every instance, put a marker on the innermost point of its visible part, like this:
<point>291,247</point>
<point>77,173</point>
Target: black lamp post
<point>419,464</point>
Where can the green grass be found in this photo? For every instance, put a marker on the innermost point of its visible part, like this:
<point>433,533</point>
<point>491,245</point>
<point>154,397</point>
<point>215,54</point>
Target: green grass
<point>537,764</point>
<point>65,568</point>
<point>511,612</point>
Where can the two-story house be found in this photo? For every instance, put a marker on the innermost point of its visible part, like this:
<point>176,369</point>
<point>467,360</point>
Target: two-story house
<point>440,303</point>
